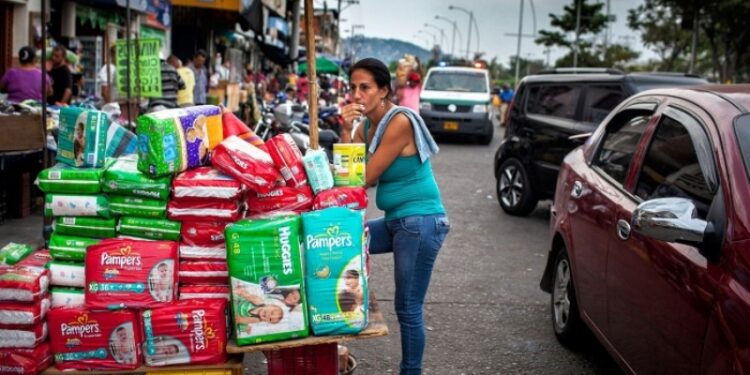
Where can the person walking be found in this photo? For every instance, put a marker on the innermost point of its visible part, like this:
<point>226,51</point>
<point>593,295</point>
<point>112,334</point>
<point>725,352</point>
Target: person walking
<point>201,77</point>
<point>108,76</point>
<point>62,78</point>
<point>506,96</point>
<point>399,148</point>
<point>24,82</point>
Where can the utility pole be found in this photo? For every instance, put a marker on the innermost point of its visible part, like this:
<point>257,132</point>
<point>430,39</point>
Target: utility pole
<point>693,43</point>
<point>518,43</point>
<point>294,50</point>
<point>471,20</point>
<point>578,32</point>
<point>455,29</point>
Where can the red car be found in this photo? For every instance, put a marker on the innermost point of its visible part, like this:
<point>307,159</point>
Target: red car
<point>651,234</point>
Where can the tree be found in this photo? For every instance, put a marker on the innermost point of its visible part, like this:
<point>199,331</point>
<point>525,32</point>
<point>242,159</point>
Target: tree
<point>592,22</point>
<point>661,30</point>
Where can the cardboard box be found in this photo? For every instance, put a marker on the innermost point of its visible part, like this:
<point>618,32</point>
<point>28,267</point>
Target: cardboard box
<point>20,133</point>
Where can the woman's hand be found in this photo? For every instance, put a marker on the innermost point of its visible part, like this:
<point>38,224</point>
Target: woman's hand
<point>350,113</point>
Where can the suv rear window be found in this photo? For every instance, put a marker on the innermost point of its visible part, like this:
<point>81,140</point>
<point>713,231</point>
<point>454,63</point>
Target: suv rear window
<point>456,81</point>
<point>559,101</point>
<point>600,100</point>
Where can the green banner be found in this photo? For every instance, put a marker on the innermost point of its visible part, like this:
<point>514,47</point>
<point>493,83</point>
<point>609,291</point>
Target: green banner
<point>145,68</point>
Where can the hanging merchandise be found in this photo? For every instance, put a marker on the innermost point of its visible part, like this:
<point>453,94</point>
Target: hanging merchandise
<point>82,226</point>
<point>91,340</point>
<point>124,178</point>
<point>176,140</point>
<point>69,248</point>
<point>154,229</point>
<point>281,199</point>
<point>129,273</point>
<point>82,137</point>
<point>246,163</point>
<point>265,269</point>
<point>76,205</point>
<point>288,159</point>
<point>63,178</point>
<point>206,182</point>
<point>188,332</point>
<point>334,271</point>
<point>136,206</point>
<point>354,198</point>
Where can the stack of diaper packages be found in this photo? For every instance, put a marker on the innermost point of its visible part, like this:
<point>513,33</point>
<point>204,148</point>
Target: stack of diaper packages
<point>266,277</point>
<point>24,303</point>
<point>139,200</point>
<point>81,217</point>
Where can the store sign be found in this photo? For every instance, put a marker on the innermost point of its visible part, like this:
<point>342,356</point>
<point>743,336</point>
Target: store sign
<point>231,5</point>
<point>145,68</point>
<point>278,6</point>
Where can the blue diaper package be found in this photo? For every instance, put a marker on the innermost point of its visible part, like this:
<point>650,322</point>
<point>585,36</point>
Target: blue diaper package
<point>334,271</point>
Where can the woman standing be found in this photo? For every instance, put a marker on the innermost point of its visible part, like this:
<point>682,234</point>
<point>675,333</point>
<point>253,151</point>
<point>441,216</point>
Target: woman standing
<point>415,224</point>
<point>24,82</point>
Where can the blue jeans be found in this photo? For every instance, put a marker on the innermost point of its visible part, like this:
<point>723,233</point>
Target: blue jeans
<point>415,242</point>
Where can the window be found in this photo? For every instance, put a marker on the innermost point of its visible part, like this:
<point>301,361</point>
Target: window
<point>559,101</point>
<point>671,168</point>
<point>620,142</point>
<point>600,100</point>
<point>456,81</point>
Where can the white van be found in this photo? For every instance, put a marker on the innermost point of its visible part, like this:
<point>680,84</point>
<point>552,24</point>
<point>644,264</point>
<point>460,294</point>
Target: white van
<point>456,100</point>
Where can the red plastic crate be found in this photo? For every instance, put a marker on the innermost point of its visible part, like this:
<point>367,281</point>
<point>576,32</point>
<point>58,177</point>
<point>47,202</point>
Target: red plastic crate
<point>307,360</point>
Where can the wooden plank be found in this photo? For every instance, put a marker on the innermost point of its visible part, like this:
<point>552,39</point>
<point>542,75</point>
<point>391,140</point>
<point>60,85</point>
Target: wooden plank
<point>234,363</point>
<point>376,328</point>
<point>312,77</point>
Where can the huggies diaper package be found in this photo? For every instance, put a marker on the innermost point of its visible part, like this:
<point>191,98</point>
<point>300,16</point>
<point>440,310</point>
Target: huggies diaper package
<point>354,198</point>
<point>206,182</point>
<point>82,226</point>
<point>69,248</point>
<point>128,273</point>
<point>288,159</point>
<point>154,229</point>
<point>192,292</point>
<point>84,339</point>
<point>82,139</point>
<point>67,273</point>
<point>139,207</point>
<point>175,140</point>
<point>76,205</point>
<point>19,315</point>
<point>334,271</point>
<point>124,178</point>
<point>28,337</point>
<point>282,198</point>
<point>13,253</point>
<point>246,163</point>
<point>66,297</point>
<point>25,361</point>
<point>188,332</point>
<point>265,269</point>
<point>63,178</point>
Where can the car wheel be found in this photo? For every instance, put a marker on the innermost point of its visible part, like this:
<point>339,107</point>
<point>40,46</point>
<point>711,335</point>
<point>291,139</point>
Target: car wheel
<point>514,189</point>
<point>566,321</point>
<point>487,137</point>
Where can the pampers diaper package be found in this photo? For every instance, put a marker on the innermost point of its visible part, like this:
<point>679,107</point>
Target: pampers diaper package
<point>82,139</point>
<point>175,140</point>
<point>188,332</point>
<point>334,271</point>
<point>265,273</point>
<point>85,339</point>
<point>128,273</point>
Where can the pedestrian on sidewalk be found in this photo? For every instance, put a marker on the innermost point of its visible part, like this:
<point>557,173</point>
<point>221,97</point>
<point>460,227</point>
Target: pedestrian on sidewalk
<point>201,77</point>
<point>62,77</point>
<point>415,225</point>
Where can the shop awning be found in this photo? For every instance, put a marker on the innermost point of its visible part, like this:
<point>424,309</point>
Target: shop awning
<point>322,64</point>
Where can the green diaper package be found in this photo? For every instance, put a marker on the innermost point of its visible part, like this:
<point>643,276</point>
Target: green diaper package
<point>13,253</point>
<point>154,229</point>
<point>82,140</point>
<point>136,206</point>
<point>82,226</point>
<point>334,271</point>
<point>124,178</point>
<point>63,178</point>
<point>265,272</point>
<point>76,205</point>
<point>63,247</point>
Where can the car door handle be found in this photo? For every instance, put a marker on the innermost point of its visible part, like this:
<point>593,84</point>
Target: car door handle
<point>623,229</point>
<point>577,190</point>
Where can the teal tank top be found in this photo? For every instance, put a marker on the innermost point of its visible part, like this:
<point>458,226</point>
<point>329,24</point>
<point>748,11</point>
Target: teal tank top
<point>407,187</point>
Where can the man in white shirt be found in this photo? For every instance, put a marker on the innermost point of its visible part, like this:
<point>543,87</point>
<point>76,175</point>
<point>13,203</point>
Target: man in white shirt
<point>109,87</point>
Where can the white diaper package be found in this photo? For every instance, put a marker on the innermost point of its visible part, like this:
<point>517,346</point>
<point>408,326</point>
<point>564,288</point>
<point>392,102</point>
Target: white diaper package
<point>67,274</point>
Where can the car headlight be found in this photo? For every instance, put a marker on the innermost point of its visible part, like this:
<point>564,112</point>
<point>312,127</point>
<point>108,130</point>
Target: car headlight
<point>427,106</point>
<point>479,108</point>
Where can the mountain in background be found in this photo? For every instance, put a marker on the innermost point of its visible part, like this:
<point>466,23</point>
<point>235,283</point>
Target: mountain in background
<point>385,50</point>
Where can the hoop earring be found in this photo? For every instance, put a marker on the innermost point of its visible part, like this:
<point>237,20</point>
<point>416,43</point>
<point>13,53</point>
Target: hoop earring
<point>382,103</point>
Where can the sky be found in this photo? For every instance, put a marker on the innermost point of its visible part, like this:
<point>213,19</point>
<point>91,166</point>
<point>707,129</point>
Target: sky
<point>403,19</point>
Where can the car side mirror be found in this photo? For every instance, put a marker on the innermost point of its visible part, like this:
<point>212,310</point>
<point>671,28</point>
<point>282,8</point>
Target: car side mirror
<point>670,220</point>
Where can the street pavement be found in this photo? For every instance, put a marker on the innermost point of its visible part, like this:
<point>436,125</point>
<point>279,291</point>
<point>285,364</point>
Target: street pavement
<point>485,313</point>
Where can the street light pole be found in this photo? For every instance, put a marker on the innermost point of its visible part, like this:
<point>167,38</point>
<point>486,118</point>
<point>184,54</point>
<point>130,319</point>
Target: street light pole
<point>351,40</point>
<point>442,33</point>
<point>434,37</point>
<point>518,43</point>
<point>578,32</point>
<point>455,28</point>
<point>471,19</point>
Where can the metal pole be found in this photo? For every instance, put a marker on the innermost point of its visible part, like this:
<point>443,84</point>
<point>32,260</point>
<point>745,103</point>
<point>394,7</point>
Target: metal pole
<point>476,29</point>
<point>127,59</point>
<point>294,50</point>
<point>578,32</point>
<point>518,43</point>
<point>468,40</point>
<point>693,44</point>
<point>453,25</point>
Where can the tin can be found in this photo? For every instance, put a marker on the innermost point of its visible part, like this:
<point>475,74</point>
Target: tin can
<point>349,164</point>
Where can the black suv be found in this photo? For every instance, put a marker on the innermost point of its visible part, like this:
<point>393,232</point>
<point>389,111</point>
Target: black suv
<point>552,113</point>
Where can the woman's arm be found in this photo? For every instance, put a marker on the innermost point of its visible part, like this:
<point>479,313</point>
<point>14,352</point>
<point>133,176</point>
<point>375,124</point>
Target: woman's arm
<point>398,135</point>
<point>255,300</point>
